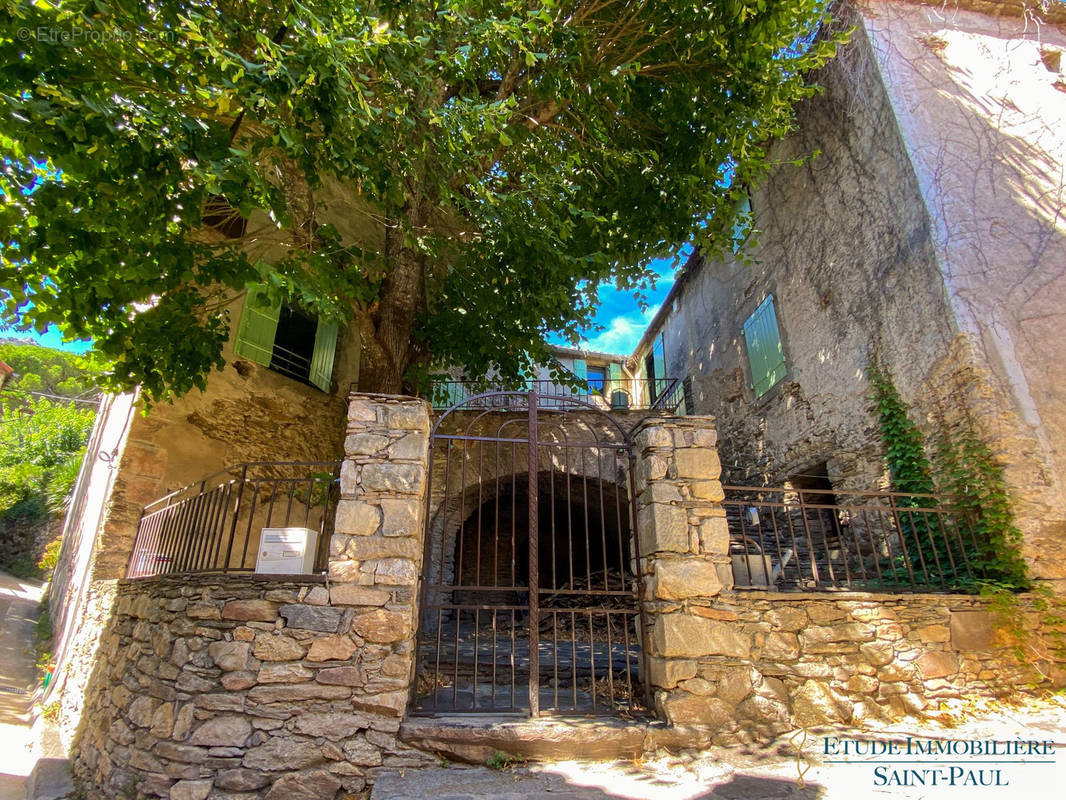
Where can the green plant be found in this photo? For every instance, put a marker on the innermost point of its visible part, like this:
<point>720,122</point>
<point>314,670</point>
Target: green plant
<point>924,544</point>
<point>501,760</point>
<point>21,565</point>
<point>41,448</point>
<point>80,791</point>
<point>984,539</point>
<point>969,472</point>
<point>43,634</point>
<point>131,786</point>
<point>44,369</point>
<point>50,556</point>
<point>51,712</point>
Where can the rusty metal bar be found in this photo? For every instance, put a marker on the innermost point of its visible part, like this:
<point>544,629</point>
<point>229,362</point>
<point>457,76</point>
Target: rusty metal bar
<point>534,557</point>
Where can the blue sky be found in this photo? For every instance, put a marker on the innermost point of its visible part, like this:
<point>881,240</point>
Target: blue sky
<point>619,315</point>
<point>50,338</point>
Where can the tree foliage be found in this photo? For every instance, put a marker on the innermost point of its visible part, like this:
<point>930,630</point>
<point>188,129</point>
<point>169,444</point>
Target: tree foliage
<point>41,449</point>
<point>44,369</point>
<point>453,177</point>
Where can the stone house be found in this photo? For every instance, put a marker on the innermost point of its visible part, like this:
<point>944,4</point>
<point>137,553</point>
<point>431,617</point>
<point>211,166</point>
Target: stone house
<point>926,235</point>
<point>589,528</point>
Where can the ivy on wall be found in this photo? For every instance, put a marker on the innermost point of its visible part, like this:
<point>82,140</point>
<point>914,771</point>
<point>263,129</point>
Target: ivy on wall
<point>968,473</point>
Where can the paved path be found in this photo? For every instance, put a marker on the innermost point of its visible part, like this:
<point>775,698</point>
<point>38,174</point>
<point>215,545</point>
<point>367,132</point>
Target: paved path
<point>19,603</point>
<point>773,772</point>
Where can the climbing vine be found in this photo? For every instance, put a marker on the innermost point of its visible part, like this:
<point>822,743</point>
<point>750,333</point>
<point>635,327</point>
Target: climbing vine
<point>968,472</point>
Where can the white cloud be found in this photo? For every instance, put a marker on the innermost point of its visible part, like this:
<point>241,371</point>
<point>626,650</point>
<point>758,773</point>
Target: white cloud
<point>623,332</point>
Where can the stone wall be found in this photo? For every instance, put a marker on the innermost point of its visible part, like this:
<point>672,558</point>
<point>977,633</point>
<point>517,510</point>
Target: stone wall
<point>777,661</point>
<point>222,686</point>
<point>751,665</point>
<point>235,687</point>
<point>245,687</point>
<point>683,540</point>
<point>246,413</point>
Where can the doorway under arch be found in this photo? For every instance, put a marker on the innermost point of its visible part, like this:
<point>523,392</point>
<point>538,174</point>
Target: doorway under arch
<point>530,549</point>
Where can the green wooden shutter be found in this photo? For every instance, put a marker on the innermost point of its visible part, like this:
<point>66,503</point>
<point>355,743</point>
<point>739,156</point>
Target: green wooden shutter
<point>616,389</point>
<point>322,358</point>
<point>581,370</point>
<point>257,328</point>
<point>766,357</point>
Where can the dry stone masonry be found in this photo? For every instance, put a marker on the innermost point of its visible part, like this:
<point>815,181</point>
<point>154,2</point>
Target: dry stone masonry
<point>233,687</point>
<point>244,687</point>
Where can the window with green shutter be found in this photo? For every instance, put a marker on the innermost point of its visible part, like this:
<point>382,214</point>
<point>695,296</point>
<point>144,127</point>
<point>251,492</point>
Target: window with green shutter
<point>579,367</point>
<point>257,328</point>
<point>285,339</point>
<point>766,356</point>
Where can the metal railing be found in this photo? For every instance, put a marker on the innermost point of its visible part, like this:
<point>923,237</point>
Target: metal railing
<point>214,525</point>
<point>289,363</point>
<point>812,539</point>
<point>627,394</point>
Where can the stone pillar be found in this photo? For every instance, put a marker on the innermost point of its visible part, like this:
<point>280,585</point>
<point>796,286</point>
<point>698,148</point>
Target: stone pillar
<point>683,541</point>
<point>376,549</point>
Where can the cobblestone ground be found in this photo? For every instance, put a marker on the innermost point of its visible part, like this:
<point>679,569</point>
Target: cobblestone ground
<point>795,767</point>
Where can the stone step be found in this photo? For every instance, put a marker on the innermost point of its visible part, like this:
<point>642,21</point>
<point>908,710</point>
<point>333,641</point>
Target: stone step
<point>49,780</point>
<point>475,738</point>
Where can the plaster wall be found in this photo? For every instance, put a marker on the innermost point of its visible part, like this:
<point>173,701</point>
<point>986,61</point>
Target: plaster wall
<point>980,101</point>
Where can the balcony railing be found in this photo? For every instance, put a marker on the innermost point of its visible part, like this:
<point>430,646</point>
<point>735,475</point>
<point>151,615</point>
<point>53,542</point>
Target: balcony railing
<point>803,540</point>
<point>214,525</point>
<point>627,394</point>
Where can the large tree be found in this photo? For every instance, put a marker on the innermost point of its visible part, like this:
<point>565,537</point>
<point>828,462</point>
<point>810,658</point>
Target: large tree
<point>508,157</point>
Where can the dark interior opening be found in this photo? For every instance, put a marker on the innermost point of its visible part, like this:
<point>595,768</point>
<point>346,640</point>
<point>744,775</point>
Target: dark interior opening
<point>583,540</point>
<point>815,489</point>
<point>294,343</point>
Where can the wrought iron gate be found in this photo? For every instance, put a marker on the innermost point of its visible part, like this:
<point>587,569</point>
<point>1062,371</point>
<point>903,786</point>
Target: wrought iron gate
<point>530,588</point>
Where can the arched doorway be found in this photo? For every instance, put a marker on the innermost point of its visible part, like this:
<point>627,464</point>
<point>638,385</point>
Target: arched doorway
<point>529,550</point>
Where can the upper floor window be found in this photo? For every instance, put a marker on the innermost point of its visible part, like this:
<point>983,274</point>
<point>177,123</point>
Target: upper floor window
<point>655,368</point>
<point>766,356</point>
<point>287,340</point>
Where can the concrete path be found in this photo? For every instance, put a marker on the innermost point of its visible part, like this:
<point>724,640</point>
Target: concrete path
<point>19,604</point>
<point>795,767</point>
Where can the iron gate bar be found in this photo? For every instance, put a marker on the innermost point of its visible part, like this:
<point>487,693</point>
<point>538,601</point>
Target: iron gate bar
<point>865,537</point>
<point>533,570</point>
<point>465,531</point>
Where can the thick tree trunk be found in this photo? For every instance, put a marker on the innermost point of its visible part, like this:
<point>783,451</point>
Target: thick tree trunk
<point>387,332</point>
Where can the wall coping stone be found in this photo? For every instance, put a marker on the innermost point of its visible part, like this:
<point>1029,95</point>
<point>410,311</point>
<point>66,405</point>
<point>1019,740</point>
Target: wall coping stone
<point>872,597</point>
<point>211,577</point>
